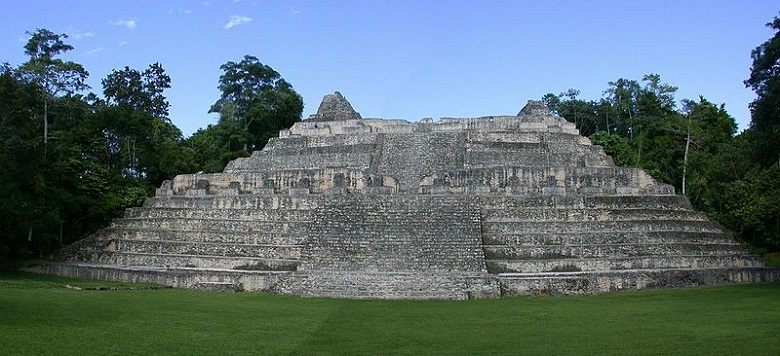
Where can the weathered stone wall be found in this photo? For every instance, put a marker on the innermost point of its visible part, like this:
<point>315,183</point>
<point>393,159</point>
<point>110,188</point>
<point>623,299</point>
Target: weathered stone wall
<point>576,283</point>
<point>412,157</point>
<point>175,277</point>
<point>395,234</point>
<point>335,108</point>
<point>340,206</point>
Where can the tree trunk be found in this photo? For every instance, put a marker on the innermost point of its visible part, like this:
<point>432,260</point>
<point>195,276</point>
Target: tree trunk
<point>639,151</point>
<point>45,122</point>
<point>45,130</point>
<point>685,157</point>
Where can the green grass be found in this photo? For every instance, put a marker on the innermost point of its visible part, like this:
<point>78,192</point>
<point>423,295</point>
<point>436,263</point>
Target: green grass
<point>39,316</point>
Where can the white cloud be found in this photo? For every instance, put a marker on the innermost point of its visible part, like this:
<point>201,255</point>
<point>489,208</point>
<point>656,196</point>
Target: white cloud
<point>77,34</point>
<point>292,11</point>
<point>130,24</point>
<point>81,35</point>
<point>93,51</point>
<point>205,3</point>
<point>122,43</point>
<point>237,20</point>
<point>180,11</point>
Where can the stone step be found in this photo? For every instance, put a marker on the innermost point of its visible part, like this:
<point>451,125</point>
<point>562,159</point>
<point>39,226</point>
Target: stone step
<point>394,285</point>
<point>352,140</point>
<point>392,252</point>
<point>612,202</point>
<point>556,227</point>
<point>204,261</point>
<point>229,237</point>
<point>202,224</point>
<point>622,263</point>
<point>254,214</point>
<point>579,215</point>
<point>546,175</point>
<point>293,182</point>
<point>239,202</point>
<point>375,293</point>
<point>320,148</point>
<point>507,252</point>
<point>492,159</point>
<point>178,277</point>
<point>614,237</point>
<point>573,283</point>
<point>217,286</point>
<point>210,249</point>
<point>271,163</point>
<point>440,264</point>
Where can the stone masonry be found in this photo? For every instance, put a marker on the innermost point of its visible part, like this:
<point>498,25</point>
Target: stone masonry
<point>340,206</point>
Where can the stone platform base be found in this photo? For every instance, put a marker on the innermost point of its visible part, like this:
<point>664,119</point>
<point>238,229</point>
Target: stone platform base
<point>412,285</point>
<point>577,283</point>
<point>179,277</point>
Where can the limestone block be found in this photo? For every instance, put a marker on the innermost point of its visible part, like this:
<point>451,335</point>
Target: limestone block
<point>459,208</point>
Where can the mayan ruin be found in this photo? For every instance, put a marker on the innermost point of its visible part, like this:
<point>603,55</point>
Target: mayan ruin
<point>351,207</point>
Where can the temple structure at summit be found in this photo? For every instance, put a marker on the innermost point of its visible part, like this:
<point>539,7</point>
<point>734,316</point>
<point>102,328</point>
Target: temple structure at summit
<point>350,207</point>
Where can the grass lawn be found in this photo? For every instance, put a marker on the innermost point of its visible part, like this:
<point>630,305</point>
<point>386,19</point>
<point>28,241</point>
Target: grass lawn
<point>40,316</point>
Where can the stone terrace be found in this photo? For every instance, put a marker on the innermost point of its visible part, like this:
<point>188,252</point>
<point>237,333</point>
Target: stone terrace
<point>341,206</point>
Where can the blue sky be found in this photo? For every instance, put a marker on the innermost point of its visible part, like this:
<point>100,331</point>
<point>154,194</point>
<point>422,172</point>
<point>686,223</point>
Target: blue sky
<point>410,59</point>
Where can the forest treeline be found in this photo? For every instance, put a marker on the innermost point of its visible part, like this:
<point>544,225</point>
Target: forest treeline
<point>693,144</point>
<point>73,159</point>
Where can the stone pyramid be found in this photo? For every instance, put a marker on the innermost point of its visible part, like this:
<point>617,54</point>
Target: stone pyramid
<point>340,206</point>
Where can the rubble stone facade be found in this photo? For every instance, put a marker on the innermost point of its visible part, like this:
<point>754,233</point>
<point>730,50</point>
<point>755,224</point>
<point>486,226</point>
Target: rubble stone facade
<point>340,206</point>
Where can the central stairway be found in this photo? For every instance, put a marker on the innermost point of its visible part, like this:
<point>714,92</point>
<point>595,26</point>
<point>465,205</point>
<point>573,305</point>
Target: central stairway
<point>341,206</point>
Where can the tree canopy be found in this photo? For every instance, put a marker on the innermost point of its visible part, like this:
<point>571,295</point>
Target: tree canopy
<point>765,109</point>
<point>73,161</point>
<point>53,75</point>
<point>693,144</point>
<point>257,97</point>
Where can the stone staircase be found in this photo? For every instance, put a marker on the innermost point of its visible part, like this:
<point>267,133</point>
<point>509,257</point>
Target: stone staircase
<point>190,235</point>
<point>395,285</point>
<point>457,209</point>
<point>549,248</point>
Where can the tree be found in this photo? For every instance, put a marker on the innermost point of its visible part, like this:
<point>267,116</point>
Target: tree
<point>645,114</point>
<point>54,76</point>
<point>20,178</point>
<point>140,139</point>
<point>709,128</point>
<point>100,155</point>
<point>141,91</point>
<point>655,94</point>
<point>752,210</point>
<point>582,113</point>
<point>622,96</point>
<point>750,200</point>
<point>256,96</point>
<point>618,147</point>
<point>216,145</point>
<point>765,109</point>
<point>694,148</point>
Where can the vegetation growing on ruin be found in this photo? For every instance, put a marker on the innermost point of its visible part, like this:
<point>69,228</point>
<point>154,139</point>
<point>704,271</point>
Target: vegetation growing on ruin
<point>39,315</point>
